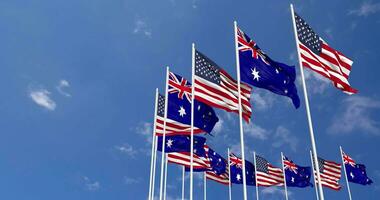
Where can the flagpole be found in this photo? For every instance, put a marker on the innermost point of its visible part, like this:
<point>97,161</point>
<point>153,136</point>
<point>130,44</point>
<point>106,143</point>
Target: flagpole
<point>204,186</point>
<point>345,172</point>
<point>229,175</point>
<point>283,170</point>
<point>240,114</point>
<point>153,145</point>
<point>313,145</point>
<point>164,133</point>
<point>154,166</point>
<point>257,186</point>
<point>192,120</point>
<point>315,180</point>
<point>166,174</point>
<point>183,183</point>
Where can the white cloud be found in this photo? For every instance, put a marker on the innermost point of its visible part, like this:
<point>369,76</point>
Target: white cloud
<point>61,86</point>
<point>130,181</point>
<point>284,137</point>
<point>274,192</point>
<point>256,131</point>
<point>218,127</point>
<point>366,9</point>
<point>42,98</point>
<point>316,83</point>
<point>356,115</point>
<point>328,32</point>
<point>145,129</point>
<point>127,149</point>
<point>91,185</point>
<point>141,27</point>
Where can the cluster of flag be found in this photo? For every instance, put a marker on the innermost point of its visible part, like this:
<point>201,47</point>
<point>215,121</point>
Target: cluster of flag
<point>187,110</point>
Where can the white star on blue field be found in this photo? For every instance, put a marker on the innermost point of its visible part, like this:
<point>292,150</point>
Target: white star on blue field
<point>78,80</point>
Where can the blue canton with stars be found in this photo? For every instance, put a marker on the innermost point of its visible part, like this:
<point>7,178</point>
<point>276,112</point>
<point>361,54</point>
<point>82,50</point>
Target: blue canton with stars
<point>179,109</point>
<point>259,70</point>
<point>181,143</point>
<point>296,176</point>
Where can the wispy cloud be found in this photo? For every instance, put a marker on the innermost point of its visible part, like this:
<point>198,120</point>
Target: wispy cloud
<point>355,114</point>
<point>256,131</point>
<point>283,137</point>
<point>274,192</point>
<point>42,98</point>
<point>90,185</point>
<point>142,28</point>
<point>262,100</point>
<point>366,8</point>
<point>218,127</point>
<point>127,149</point>
<point>61,87</point>
<point>132,181</point>
<point>145,129</point>
<point>316,83</point>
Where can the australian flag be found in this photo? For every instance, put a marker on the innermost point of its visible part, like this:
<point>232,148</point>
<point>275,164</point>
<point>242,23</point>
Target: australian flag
<point>237,171</point>
<point>217,163</point>
<point>296,176</point>
<point>259,70</point>
<point>179,105</point>
<point>181,143</point>
<point>356,173</point>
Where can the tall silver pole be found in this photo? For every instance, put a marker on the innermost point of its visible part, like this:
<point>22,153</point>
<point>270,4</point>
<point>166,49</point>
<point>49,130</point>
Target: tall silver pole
<point>166,175</point>
<point>240,114</point>
<point>257,185</point>
<point>345,173</point>
<point>283,169</point>
<point>163,137</point>
<point>315,179</point>
<point>183,183</point>
<point>192,120</point>
<point>153,147</point>
<point>229,175</point>
<point>204,186</point>
<point>314,148</point>
<point>154,167</point>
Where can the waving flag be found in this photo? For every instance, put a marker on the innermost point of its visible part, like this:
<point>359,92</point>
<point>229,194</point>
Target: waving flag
<point>317,55</point>
<point>179,110</point>
<point>237,171</point>
<point>219,169</point>
<point>267,174</point>
<point>200,160</point>
<point>221,178</point>
<point>259,70</point>
<point>295,175</point>
<point>329,172</point>
<point>356,173</point>
<point>215,87</point>
<point>181,143</point>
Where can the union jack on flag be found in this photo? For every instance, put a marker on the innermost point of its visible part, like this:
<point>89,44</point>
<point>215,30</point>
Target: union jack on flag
<point>180,86</point>
<point>289,165</point>
<point>247,44</point>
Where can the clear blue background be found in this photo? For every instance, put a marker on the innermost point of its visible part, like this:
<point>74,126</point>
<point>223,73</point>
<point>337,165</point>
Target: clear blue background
<point>94,144</point>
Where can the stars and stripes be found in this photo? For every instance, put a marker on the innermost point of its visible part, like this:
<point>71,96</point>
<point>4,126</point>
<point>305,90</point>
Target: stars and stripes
<point>200,160</point>
<point>317,55</point>
<point>221,178</point>
<point>267,174</point>
<point>330,173</point>
<point>173,127</point>
<point>215,87</point>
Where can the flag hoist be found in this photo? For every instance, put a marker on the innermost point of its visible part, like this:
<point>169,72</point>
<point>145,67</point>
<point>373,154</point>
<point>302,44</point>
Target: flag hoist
<point>313,145</point>
<point>154,153</point>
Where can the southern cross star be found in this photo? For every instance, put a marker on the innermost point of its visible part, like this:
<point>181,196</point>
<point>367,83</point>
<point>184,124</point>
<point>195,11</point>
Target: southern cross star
<point>169,143</point>
<point>182,111</point>
<point>255,74</point>
<point>238,177</point>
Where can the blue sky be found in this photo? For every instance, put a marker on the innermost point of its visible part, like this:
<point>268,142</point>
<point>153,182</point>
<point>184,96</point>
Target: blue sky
<point>78,80</point>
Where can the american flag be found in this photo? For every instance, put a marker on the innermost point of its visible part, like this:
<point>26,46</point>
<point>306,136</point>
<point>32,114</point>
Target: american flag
<point>172,127</point>
<point>268,175</point>
<point>215,87</point>
<point>317,55</point>
<point>330,173</point>
<point>222,178</point>
<point>183,158</point>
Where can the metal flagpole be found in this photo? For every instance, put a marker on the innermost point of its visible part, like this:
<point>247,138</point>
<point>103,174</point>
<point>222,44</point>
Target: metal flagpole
<point>315,180</point>
<point>229,175</point>
<point>345,173</point>
<point>166,175</point>
<point>257,185</point>
<point>183,183</point>
<point>204,186</point>
<point>240,113</point>
<point>153,145</point>
<point>283,169</point>
<point>314,148</point>
<point>192,120</point>
<point>154,167</point>
<point>164,133</point>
